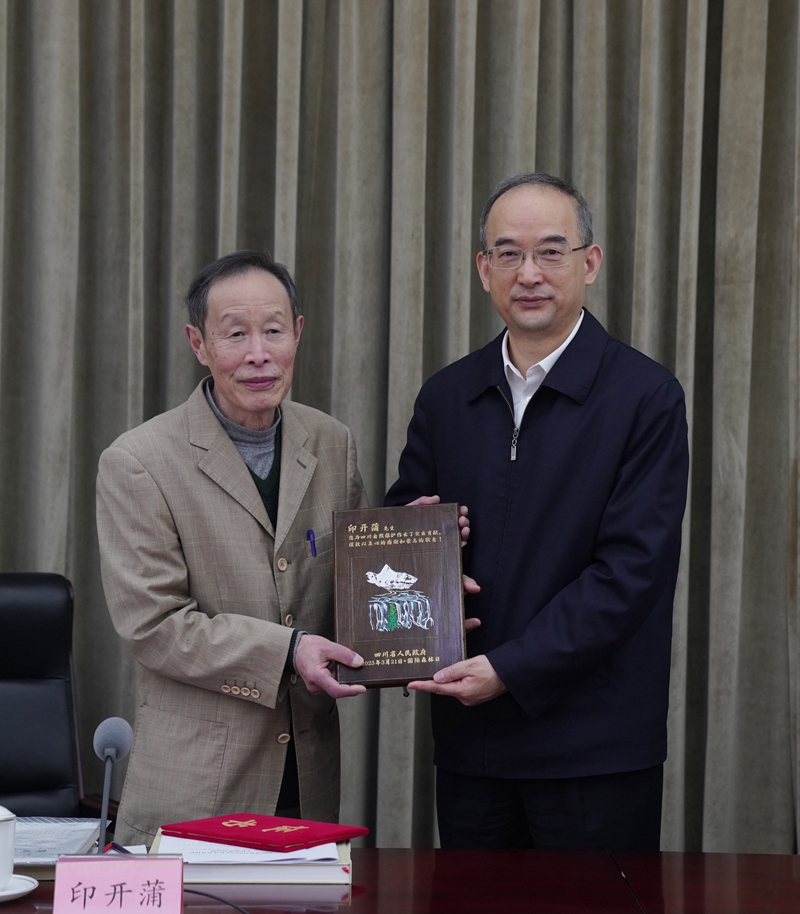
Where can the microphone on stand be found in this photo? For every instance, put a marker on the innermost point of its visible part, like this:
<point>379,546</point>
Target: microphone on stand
<point>112,741</point>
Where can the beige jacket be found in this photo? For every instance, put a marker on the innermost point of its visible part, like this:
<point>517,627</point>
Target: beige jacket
<point>205,593</point>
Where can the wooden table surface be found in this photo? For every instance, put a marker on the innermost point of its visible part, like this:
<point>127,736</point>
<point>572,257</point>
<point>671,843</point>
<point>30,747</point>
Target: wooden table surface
<point>669,883</point>
<point>400,881</point>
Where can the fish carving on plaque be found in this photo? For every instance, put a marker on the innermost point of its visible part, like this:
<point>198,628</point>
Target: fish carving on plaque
<point>401,607</point>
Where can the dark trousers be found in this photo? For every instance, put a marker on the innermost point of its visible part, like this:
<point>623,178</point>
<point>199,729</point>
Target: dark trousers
<point>602,812</point>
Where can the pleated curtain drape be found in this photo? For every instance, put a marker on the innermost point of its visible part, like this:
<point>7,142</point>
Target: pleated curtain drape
<point>357,141</point>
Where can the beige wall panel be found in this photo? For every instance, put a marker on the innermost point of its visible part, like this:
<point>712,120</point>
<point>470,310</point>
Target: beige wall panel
<point>408,240</point>
<point>458,266</point>
<point>232,16</point>
<point>740,134</point>
<point>793,489</point>
<point>136,305</point>
<point>589,125</point>
<point>360,284</point>
<point>3,115</point>
<point>398,744</point>
<point>553,103</point>
<point>673,826</point>
<point>290,55</point>
<point>508,113</point>
<point>47,277</point>
<point>182,216</point>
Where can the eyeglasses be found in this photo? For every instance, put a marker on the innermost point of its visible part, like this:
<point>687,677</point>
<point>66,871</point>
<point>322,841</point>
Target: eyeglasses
<point>508,257</point>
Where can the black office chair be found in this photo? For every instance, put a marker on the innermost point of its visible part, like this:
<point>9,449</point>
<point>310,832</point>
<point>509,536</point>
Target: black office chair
<point>39,765</point>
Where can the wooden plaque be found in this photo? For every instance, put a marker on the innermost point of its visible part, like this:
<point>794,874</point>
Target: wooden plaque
<point>399,598</point>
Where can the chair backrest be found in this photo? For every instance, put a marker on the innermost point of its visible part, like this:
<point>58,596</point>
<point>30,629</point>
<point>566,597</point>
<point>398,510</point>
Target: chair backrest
<point>39,764</point>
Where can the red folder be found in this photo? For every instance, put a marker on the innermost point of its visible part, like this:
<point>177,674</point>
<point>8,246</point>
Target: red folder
<point>269,833</point>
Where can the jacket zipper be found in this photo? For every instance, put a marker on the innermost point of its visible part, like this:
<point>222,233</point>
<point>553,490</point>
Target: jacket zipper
<point>515,434</point>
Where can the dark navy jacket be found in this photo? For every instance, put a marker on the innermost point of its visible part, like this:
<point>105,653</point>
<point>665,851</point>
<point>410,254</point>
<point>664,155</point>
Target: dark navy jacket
<point>575,545</point>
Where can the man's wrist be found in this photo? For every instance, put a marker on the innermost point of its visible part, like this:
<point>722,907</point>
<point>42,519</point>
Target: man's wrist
<point>292,655</point>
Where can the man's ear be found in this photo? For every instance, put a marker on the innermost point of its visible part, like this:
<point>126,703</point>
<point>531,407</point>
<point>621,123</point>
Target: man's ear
<point>593,258</point>
<point>197,343</point>
<point>482,262</point>
<point>298,327</point>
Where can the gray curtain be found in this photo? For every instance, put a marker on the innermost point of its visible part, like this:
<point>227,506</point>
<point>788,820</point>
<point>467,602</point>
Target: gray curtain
<point>357,140</point>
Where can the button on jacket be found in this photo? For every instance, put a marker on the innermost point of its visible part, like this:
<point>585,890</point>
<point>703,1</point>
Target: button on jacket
<point>575,544</point>
<point>188,560</point>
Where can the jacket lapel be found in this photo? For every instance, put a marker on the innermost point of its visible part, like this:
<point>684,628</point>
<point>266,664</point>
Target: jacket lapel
<point>297,470</point>
<point>575,371</point>
<point>221,461</point>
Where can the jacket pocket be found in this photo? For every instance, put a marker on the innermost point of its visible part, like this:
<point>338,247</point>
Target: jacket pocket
<point>175,769</point>
<point>323,543</point>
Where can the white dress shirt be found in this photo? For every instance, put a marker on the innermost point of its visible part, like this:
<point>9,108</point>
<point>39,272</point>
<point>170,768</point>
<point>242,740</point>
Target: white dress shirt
<point>522,389</point>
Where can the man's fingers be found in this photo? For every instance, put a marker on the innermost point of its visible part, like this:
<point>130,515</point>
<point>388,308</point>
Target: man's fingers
<point>339,689</point>
<point>451,673</point>
<point>424,500</point>
<point>471,681</point>
<point>437,688</point>
<point>313,650</point>
<point>470,584</point>
<point>312,661</point>
<point>346,656</point>
<point>463,523</point>
<point>423,685</point>
<point>471,624</point>
<point>331,651</point>
<point>330,686</point>
<point>463,520</point>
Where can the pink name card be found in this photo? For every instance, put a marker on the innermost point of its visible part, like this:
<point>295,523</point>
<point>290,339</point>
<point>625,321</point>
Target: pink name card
<point>118,882</point>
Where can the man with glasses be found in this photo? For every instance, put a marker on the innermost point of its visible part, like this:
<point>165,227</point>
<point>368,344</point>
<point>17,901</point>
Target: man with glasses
<point>570,449</point>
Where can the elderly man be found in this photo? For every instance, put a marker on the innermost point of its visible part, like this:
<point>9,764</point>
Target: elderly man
<point>214,522</point>
<point>571,450</point>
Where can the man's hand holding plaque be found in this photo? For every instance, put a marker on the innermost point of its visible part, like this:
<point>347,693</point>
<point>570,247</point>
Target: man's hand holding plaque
<point>463,518</point>
<point>313,661</point>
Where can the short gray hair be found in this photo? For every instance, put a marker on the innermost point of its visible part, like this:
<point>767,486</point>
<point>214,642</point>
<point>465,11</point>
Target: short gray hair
<point>541,179</point>
<point>235,264</point>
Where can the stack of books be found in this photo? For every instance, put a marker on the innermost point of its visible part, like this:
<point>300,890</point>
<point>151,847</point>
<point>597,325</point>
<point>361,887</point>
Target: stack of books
<point>249,848</point>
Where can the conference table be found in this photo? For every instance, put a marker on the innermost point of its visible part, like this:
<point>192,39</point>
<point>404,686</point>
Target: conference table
<point>402,881</point>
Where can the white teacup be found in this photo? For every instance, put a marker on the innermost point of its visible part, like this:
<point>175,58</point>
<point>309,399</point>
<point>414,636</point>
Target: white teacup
<point>7,822</point>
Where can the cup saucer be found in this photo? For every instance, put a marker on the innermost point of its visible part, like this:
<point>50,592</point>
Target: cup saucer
<point>17,887</point>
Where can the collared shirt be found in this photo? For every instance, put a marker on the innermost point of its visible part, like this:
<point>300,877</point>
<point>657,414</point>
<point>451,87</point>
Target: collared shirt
<point>522,389</point>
